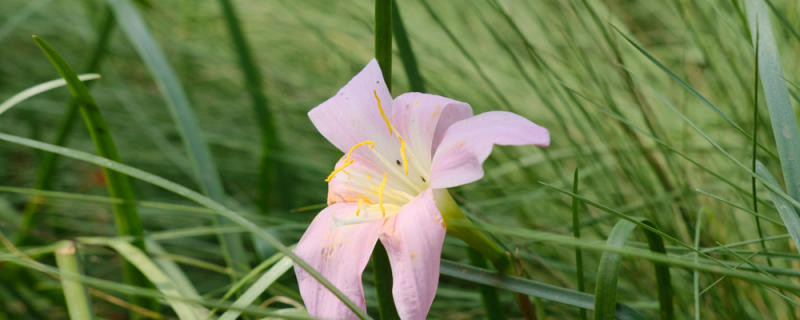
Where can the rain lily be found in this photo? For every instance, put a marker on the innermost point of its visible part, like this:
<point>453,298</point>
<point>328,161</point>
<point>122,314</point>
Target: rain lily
<point>396,152</point>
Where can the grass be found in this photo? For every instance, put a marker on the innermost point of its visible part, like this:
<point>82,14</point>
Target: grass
<point>653,102</point>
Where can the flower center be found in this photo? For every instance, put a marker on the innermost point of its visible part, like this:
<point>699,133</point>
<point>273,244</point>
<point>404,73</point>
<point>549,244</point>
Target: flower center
<point>380,178</point>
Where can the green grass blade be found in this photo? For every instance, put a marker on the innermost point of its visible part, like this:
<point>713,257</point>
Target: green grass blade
<point>605,292</point>
<point>787,212</point>
<point>383,39</point>
<point>493,310</point>
<point>79,305</point>
<point>181,110</point>
<point>163,283</point>
<point>174,273</point>
<point>126,216</point>
<point>576,232</point>
<point>663,279</point>
<point>40,88</point>
<point>254,83</point>
<point>45,171</point>
<point>529,287</point>
<point>258,288</point>
<point>381,269</point>
<point>784,124</point>
<point>415,81</point>
<point>189,194</point>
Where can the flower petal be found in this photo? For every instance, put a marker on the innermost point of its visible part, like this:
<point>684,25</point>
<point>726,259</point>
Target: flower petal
<point>466,144</point>
<point>413,241</point>
<point>423,118</point>
<point>339,253</point>
<point>352,115</point>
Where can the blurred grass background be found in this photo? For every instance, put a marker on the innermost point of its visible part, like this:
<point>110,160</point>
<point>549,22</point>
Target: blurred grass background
<point>568,68</point>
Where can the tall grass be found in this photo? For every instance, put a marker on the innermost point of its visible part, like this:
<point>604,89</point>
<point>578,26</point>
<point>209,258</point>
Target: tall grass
<point>678,114</point>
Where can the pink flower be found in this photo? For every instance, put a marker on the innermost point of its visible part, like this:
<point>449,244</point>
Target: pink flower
<point>395,153</point>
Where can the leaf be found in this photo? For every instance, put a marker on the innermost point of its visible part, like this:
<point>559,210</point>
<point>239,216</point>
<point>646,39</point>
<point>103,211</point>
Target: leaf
<point>528,287</point>
<point>40,88</point>
<point>784,125</point>
<point>605,292</point>
<point>787,212</point>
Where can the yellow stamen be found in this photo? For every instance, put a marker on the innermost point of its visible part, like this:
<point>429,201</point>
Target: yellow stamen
<point>360,203</point>
<point>403,153</point>
<point>383,114</point>
<point>380,195</point>
<point>353,148</point>
<point>337,170</point>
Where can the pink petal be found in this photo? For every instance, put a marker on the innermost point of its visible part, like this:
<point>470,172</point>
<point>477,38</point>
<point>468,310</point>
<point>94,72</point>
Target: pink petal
<point>339,253</point>
<point>423,118</point>
<point>413,241</point>
<point>466,144</point>
<point>352,115</point>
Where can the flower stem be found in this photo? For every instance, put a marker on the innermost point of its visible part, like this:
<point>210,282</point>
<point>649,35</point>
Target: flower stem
<point>460,227</point>
<point>380,260</point>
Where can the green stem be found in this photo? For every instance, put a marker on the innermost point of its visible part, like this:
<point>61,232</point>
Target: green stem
<point>576,232</point>
<point>460,227</point>
<point>78,303</point>
<point>380,260</point>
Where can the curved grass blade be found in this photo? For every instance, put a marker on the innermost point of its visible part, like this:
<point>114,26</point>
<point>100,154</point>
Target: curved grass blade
<point>79,305</point>
<point>41,88</point>
<point>138,258</point>
<point>126,216</point>
<point>258,288</point>
<point>189,194</point>
<point>787,212</point>
<point>529,287</point>
<point>45,171</point>
<point>605,292</point>
<point>784,124</point>
<point>181,110</point>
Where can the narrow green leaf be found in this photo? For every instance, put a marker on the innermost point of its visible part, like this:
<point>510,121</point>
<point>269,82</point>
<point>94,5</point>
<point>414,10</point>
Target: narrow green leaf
<point>492,308</point>
<point>529,287</point>
<point>126,216</point>
<point>189,194</point>
<point>40,88</point>
<point>415,81</point>
<point>79,305</point>
<point>787,212</point>
<point>784,124</point>
<point>254,83</point>
<point>181,110</point>
<point>605,292</point>
<point>383,38</point>
<point>258,288</point>
<point>663,278</point>
<point>45,171</point>
<point>576,232</point>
